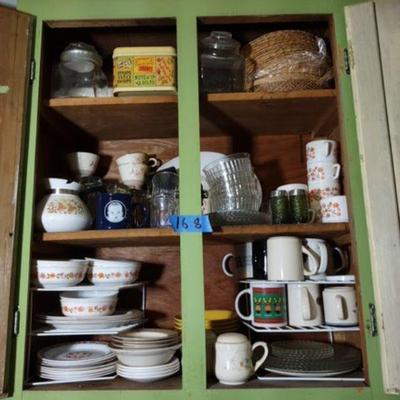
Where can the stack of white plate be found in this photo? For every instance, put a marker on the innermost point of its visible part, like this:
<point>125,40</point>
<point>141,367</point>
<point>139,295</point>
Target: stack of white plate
<point>120,318</point>
<point>149,374</point>
<point>146,355</point>
<point>73,362</point>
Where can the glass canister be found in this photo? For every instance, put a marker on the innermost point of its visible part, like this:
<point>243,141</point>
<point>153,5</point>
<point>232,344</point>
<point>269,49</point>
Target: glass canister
<point>221,65</point>
<point>79,73</point>
<point>280,211</point>
<point>299,208</point>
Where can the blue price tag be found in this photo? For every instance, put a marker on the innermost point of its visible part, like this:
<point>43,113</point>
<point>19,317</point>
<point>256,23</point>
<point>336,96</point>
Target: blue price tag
<point>191,223</point>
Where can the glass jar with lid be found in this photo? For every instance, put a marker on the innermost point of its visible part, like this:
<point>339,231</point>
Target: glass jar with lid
<point>221,65</point>
<point>79,73</point>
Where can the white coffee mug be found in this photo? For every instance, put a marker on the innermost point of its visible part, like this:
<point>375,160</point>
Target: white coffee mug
<point>322,150</point>
<point>321,171</point>
<point>243,262</point>
<point>340,306</point>
<point>304,303</point>
<point>285,259</point>
<point>320,189</point>
<point>319,262</point>
<point>334,209</point>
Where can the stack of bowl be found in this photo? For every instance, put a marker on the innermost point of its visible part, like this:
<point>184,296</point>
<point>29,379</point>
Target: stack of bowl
<point>58,273</point>
<point>219,321</point>
<point>233,186</point>
<point>146,355</point>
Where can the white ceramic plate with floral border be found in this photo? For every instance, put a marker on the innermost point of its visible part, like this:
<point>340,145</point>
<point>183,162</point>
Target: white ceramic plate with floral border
<point>75,354</point>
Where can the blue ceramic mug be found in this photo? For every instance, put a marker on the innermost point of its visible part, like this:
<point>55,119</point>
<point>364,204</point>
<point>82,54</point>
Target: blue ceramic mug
<point>113,211</point>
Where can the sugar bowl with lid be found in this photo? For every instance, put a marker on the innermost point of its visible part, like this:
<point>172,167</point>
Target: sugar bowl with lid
<point>233,358</point>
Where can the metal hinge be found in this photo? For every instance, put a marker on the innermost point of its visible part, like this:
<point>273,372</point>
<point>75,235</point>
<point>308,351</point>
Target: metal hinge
<point>16,321</point>
<point>32,71</point>
<point>371,323</point>
<point>346,61</point>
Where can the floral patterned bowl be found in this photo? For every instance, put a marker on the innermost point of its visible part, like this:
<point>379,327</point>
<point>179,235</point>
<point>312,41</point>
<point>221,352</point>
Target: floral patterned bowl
<point>113,272</point>
<point>88,304</point>
<point>57,273</point>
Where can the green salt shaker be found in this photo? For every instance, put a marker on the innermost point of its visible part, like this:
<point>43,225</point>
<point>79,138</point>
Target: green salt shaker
<point>279,201</point>
<point>299,209</point>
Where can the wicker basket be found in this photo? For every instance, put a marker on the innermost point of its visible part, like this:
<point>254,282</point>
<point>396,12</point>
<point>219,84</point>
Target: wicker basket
<point>285,61</point>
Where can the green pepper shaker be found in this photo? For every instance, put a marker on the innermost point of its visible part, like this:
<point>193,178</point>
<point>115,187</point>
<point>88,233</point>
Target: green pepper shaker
<point>299,208</point>
<point>280,207</point>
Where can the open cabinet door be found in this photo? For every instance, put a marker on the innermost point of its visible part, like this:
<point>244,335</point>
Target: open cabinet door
<point>373,30</point>
<point>15,34</point>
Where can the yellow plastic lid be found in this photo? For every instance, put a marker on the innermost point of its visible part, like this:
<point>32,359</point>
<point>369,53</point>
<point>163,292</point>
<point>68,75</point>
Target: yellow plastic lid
<point>144,51</point>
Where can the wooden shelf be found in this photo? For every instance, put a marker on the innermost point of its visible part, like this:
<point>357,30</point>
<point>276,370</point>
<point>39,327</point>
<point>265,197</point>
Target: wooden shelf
<point>247,233</point>
<point>170,383</point>
<point>156,116</point>
<point>130,117</point>
<point>113,238</point>
<point>261,113</point>
<point>167,237</point>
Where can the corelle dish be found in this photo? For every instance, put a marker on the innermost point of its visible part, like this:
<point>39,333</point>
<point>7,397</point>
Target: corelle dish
<point>144,69</point>
<point>149,334</point>
<point>145,357</point>
<point>62,210</point>
<point>113,272</point>
<point>77,354</point>
<point>57,273</point>
<point>87,304</point>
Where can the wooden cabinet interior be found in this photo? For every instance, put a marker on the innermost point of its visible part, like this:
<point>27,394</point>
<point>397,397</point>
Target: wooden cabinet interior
<point>60,132</point>
<point>274,129</point>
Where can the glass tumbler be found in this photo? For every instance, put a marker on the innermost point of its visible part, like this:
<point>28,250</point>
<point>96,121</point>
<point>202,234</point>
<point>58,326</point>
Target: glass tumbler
<point>162,206</point>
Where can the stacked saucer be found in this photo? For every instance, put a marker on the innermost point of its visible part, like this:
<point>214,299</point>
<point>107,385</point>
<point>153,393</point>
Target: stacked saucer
<point>119,319</point>
<point>146,355</point>
<point>73,362</point>
<point>219,321</point>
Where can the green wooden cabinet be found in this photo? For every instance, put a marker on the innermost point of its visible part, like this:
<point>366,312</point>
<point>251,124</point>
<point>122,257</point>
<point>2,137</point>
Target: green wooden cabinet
<point>189,20</point>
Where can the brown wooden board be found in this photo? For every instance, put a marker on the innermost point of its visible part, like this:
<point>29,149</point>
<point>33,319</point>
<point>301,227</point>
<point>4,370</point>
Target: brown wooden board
<point>114,118</point>
<point>15,30</point>
<point>261,113</point>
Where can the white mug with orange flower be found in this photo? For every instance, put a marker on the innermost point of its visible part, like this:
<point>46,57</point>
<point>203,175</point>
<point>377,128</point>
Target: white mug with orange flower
<point>320,171</point>
<point>334,209</point>
<point>322,150</point>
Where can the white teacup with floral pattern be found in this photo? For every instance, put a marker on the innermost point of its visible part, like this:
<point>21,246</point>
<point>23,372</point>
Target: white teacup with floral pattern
<point>321,171</point>
<point>334,209</point>
<point>322,150</point>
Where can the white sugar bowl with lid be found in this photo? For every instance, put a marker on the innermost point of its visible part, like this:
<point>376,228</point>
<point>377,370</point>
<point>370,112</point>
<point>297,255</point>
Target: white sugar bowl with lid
<point>233,358</point>
<point>62,210</point>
